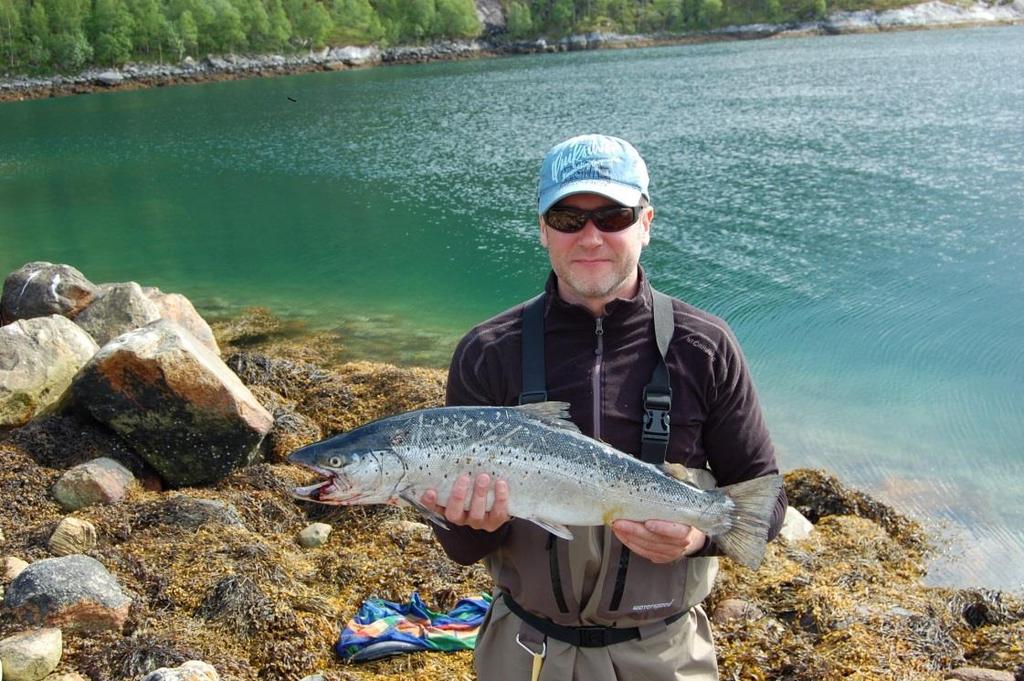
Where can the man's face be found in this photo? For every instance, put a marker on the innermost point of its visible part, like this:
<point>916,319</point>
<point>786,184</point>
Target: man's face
<point>595,267</point>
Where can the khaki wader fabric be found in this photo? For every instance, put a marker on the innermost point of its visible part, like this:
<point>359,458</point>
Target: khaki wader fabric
<point>683,651</point>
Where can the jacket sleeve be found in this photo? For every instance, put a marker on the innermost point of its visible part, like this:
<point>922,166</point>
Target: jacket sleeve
<point>470,383</point>
<point>735,436</point>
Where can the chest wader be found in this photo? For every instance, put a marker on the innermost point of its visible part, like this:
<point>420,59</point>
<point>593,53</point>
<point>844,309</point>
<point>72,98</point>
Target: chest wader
<point>657,404</point>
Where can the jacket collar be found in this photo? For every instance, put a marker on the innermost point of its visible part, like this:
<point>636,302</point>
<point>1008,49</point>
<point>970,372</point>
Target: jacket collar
<point>617,311</point>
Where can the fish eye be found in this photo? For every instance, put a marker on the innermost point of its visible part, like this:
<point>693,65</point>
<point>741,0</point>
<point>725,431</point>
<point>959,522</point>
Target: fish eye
<point>335,462</point>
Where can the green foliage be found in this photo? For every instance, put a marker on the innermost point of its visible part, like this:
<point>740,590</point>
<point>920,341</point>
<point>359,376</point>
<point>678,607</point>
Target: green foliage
<point>44,35</point>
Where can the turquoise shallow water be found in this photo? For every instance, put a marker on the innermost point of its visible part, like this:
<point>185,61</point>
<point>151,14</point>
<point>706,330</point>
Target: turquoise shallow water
<point>853,206</point>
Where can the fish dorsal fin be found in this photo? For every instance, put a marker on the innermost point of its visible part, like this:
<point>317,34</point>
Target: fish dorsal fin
<point>553,413</point>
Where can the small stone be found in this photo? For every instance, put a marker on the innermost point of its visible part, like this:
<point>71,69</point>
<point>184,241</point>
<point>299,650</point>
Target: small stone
<point>314,677</point>
<point>100,481</point>
<point>109,78</point>
<point>315,535</point>
<point>978,674</point>
<point>31,655</point>
<point>732,609</point>
<point>795,526</point>
<point>193,670</point>
<point>70,676</point>
<point>72,535</point>
<point>12,567</point>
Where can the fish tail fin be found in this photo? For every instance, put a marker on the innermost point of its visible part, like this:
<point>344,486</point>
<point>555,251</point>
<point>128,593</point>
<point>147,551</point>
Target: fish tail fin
<point>754,501</point>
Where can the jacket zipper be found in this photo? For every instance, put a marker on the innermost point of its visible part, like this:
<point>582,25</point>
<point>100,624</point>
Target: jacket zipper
<point>595,380</point>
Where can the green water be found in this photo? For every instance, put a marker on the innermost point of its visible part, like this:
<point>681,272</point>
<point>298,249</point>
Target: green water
<point>853,206</point>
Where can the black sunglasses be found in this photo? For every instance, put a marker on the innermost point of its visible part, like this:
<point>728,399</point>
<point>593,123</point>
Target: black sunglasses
<point>608,219</point>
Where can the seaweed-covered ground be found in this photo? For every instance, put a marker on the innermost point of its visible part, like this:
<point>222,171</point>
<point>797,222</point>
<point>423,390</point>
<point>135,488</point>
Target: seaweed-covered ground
<point>246,597</point>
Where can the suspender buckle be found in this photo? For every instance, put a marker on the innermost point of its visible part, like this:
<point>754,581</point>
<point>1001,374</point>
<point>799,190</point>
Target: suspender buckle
<point>656,415</point>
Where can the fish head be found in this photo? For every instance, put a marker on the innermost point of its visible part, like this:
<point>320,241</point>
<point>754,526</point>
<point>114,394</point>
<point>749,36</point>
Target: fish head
<point>358,470</point>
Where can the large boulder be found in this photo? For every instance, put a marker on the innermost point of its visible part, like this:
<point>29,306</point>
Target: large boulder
<point>175,402</point>
<point>180,310</point>
<point>118,309</point>
<point>38,359</point>
<point>75,593</point>
<point>40,289</point>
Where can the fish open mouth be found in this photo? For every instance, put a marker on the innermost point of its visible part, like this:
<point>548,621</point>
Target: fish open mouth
<point>335,490</point>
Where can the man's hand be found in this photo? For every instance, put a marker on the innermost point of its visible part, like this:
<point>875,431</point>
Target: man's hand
<point>659,541</point>
<point>477,516</point>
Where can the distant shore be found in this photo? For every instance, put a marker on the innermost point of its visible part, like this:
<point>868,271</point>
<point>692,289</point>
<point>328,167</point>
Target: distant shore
<point>232,67</point>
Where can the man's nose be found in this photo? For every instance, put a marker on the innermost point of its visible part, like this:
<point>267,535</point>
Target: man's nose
<point>590,234</point>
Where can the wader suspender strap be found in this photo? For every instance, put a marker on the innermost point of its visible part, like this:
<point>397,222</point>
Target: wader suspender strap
<point>534,383</point>
<point>657,394</point>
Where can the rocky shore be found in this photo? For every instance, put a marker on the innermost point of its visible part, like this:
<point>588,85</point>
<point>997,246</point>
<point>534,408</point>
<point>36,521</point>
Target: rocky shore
<point>934,14</point>
<point>148,532</point>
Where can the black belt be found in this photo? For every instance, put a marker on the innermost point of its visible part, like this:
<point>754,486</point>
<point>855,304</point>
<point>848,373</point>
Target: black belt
<point>581,637</point>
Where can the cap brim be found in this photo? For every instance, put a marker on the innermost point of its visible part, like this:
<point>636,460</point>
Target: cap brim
<point>627,196</point>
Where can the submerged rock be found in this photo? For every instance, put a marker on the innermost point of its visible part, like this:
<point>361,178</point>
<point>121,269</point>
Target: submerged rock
<point>75,593</point>
<point>31,655</point>
<point>38,359</point>
<point>175,402</point>
<point>41,288</point>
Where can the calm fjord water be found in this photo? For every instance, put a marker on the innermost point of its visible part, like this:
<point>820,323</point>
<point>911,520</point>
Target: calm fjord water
<point>853,206</point>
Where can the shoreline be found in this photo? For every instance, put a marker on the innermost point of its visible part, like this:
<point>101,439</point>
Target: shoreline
<point>930,15</point>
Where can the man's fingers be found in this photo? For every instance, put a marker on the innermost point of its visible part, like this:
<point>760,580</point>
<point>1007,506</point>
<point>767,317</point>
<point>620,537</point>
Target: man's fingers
<point>429,500</point>
<point>501,499</point>
<point>455,510</point>
<point>478,505</point>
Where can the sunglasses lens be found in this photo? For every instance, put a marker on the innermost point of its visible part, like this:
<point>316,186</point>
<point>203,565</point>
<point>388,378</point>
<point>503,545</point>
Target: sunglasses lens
<point>564,220</point>
<point>614,219</point>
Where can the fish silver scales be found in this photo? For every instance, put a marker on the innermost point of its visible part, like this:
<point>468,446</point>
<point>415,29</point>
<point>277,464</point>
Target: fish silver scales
<point>557,476</point>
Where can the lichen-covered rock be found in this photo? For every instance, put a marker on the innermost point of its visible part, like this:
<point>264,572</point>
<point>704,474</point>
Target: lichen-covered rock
<point>73,535</point>
<point>175,402</point>
<point>732,609</point>
<point>187,513</point>
<point>100,481</point>
<point>39,289</point>
<point>39,357</point>
<point>31,655</point>
<point>179,309</point>
<point>118,309</point>
<point>75,593</point>
<point>193,670</point>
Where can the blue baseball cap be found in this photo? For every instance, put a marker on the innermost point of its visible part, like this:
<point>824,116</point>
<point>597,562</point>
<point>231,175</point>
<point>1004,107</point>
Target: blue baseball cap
<point>592,164</point>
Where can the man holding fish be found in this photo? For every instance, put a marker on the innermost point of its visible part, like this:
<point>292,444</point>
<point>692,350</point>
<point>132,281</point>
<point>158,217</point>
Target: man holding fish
<point>551,462</point>
<point>624,602</point>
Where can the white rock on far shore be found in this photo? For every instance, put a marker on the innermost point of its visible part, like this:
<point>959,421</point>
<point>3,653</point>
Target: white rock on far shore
<point>31,655</point>
<point>795,526</point>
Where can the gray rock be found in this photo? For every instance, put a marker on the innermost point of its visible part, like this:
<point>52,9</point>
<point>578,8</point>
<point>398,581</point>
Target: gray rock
<point>491,15</point>
<point>315,535</point>
<point>355,56</point>
<point>732,609</point>
<point>120,308</point>
<point>314,677</point>
<point>73,535</point>
<point>179,309</point>
<point>193,670</point>
<point>39,357</point>
<point>188,513</point>
<point>100,481</point>
<point>175,402</point>
<point>978,674</point>
<point>110,78</point>
<point>31,655</point>
<point>75,593</point>
<point>39,289</point>
<point>188,63</point>
<point>795,526</point>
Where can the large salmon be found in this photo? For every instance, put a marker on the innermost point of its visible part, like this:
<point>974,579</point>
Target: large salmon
<point>557,476</point>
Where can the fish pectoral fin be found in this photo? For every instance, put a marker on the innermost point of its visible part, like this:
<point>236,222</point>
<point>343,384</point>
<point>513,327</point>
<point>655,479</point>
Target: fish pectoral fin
<point>552,413</point>
<point>557,529</point>
<point>433,517</point>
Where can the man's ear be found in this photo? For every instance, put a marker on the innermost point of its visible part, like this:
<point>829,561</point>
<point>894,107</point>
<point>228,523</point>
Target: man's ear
<point>646,218</point>
<point>543,232</point>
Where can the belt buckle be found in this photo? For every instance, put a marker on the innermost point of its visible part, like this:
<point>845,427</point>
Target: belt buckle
<point>592,637</point>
